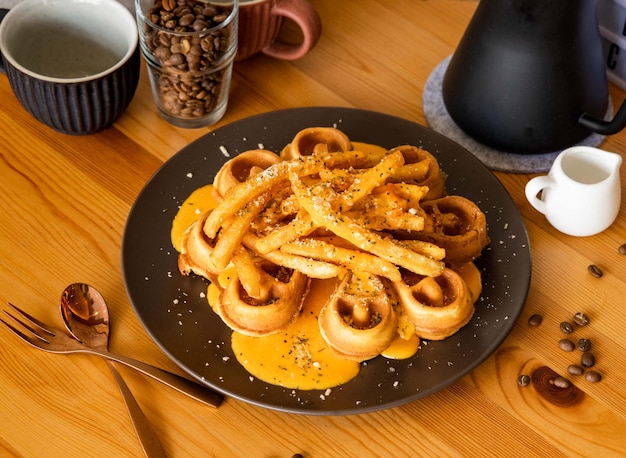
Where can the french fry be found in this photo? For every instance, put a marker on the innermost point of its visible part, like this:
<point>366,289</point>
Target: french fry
<point>323,214</point>
<point>250,276</point>
<point>310,267</point>
<point>282,206</point>
<point>349,258</point>
<point>301,225</point>
<point>232,234</point>
<point>366,181</point>
<point>426,248</point>
<point>411,192</point>
<point>390,207</point>
<point>378,222</point>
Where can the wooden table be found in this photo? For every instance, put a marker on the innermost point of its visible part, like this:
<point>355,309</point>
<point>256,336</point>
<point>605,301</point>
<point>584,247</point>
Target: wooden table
<point>64,203</point>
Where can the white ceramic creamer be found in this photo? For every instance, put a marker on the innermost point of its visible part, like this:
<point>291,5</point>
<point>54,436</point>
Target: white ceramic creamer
<point>581,195</point>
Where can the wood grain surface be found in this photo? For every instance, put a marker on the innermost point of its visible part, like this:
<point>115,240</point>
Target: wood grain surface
<point>64,202</point>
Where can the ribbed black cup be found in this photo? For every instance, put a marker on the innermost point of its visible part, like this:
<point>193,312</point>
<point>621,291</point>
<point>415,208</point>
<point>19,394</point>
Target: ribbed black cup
<point>73,64</point>
<point>77,108</point>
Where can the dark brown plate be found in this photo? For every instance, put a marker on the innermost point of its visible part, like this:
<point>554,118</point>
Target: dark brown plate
<point>175,312</point>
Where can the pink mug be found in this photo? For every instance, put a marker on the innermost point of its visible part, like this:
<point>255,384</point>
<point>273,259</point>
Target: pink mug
<point>260,22</point>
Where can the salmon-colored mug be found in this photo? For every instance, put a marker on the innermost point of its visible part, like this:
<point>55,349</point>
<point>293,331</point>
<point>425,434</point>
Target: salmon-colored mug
<point>260,22</point>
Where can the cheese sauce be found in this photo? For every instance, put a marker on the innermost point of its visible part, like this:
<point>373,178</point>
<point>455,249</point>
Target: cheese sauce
<point>198,202</point>
<point>471,275</point>
<point>402,348</point>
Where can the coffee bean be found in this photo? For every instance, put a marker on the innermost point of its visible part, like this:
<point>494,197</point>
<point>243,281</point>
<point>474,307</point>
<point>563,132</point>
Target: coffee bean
<point>575,369</point>
<point>581,319</point>
<point>566,345</point>
<point>595,270</point>
<point>566,327</point>
<point>523,380</point>
<point>199,25</point>
<point>177,58</point>
<point>584,344</point>
<point>561,382</point>
<point>535,320</point>
<point>208,10</point>
<point>622,249</point>
<point>593,376</point>
<point>187,19</point>
<point>587,359</point>
<point>162,53</point>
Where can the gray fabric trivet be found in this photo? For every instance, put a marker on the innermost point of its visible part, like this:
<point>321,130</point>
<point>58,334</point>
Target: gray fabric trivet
<point>440,121</point>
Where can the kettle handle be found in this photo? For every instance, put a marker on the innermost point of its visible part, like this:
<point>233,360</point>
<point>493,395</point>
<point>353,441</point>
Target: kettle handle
<point>605,127</point>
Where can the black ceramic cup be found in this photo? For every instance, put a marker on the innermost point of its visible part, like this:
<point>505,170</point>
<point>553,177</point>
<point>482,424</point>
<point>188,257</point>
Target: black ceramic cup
<point>73,64</point>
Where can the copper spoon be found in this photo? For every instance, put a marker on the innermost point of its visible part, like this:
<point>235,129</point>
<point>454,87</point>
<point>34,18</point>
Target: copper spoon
<point>81,301</point>
<point>86,317</point>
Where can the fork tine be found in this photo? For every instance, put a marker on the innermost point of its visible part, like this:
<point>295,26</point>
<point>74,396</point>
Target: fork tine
<point>30,318</point>
<point>21,335</point>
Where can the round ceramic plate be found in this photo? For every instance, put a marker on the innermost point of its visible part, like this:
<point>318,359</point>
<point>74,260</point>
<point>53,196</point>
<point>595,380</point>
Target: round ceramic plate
<point>175,312</point>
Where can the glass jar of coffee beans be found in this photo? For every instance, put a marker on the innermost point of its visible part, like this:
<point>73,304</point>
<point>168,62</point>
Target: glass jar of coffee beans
<point>189,47</point>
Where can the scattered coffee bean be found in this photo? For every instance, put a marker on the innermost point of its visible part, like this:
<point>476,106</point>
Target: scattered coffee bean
<point>566,345</point>
<point>535,320</point>
<point>561,382</point>
<point>593,376</point>
<point>588,359</point>
<point>567,327</point>
<point>523,380</point>
<point>622,249</point>
<point>581,319</point>
<point>575,369</point>
<point>584,344</point>
<point>595,270</point>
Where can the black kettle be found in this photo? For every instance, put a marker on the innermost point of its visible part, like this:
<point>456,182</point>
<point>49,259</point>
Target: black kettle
<point>529,76</point>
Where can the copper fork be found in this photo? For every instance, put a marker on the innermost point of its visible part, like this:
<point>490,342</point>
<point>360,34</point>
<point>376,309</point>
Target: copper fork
<point>50,339</point>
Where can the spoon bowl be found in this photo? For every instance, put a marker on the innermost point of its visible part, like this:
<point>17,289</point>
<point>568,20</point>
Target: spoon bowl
<point>86,315</point>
